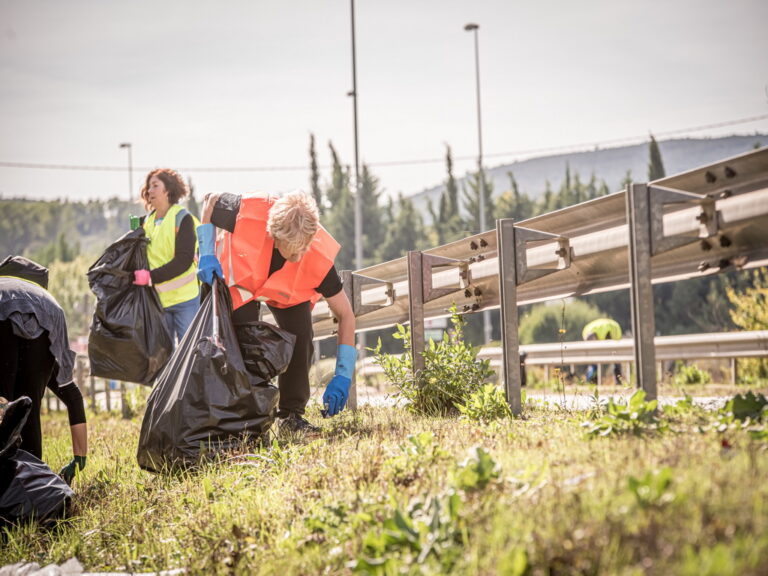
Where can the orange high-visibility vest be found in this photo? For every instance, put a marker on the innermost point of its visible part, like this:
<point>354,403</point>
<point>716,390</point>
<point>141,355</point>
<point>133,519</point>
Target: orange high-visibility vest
<point>246,254</point>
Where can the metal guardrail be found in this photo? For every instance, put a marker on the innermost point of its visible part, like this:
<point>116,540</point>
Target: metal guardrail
<point>700,222</point>
<point>728,345</point>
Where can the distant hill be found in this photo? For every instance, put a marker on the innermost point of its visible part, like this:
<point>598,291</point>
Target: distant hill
<point>609,164</point>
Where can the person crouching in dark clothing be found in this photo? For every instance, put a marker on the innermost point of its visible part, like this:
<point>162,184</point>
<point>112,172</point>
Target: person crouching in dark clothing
<point>36,355</point>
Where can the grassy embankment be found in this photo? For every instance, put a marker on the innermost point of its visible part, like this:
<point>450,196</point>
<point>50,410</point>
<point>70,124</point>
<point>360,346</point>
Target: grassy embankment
<point>384,491</point>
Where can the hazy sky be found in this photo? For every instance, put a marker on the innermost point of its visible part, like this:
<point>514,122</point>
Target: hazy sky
<point>242,83</point>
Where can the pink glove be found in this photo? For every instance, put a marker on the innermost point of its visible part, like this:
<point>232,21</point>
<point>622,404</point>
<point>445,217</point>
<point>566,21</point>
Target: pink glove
<point>142,278</point>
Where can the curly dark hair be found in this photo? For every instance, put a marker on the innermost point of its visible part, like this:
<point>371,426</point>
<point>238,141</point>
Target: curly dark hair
<point>173,181</point>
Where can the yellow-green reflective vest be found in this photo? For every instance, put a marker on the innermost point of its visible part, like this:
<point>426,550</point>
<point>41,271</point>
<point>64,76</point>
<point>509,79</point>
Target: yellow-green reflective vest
<point>162,248</point>
<point>603,328</point>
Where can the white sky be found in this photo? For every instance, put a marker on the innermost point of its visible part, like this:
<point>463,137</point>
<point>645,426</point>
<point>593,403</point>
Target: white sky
<point>242,83</point>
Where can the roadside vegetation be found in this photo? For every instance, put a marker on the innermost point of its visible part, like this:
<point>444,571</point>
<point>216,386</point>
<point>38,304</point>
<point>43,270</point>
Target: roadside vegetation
<point>386,491</point>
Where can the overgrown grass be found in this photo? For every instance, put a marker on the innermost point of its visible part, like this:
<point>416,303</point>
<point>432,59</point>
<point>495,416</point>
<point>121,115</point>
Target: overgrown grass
<point>386,491</point>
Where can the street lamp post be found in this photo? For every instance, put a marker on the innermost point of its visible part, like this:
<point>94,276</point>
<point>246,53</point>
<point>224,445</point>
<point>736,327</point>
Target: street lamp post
<point>471,27</point>
<point>130,168</point>
<point>358,204</point>
<point>358,200</point>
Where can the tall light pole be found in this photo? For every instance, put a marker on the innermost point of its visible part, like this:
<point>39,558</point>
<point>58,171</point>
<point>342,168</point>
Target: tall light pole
<point>358,201</point>
<point>358,204</point>
<point>130,169</point>
<point>471,27</point>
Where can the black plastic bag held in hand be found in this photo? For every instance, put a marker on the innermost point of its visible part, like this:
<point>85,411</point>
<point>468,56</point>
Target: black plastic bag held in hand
<point>128,339</point>
<point>206,400</point>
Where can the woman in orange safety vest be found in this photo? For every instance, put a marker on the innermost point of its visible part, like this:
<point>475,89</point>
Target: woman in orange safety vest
<point>274,250</point>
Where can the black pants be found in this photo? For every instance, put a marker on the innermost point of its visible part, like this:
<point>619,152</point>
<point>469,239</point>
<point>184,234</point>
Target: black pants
<point>294,382</point>
<point>26,367</point>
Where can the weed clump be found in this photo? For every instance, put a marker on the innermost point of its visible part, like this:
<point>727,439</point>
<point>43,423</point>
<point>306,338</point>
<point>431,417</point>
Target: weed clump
<point>451,374</point>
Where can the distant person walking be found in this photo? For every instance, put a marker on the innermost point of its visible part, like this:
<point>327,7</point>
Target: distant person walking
<point>171,251</point>
<point>602,329</point>
<point>35,355</point>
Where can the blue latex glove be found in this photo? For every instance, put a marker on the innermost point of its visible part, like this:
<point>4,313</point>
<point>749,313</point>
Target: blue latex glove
<point>337,391</point>
<point>208,266</point>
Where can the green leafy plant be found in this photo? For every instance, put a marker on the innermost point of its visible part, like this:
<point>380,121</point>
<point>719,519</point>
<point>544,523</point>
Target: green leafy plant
<point>477,471</point>
<point>429,533</point>
<point>451,371</point>
<point>416,457</point>
<point>653,489</point>
<point>622,417</point>
<point>748,406</point>
<point>486,404</point>
<point>691,374</point>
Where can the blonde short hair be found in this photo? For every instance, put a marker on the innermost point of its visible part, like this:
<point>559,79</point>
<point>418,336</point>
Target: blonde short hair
<point>294,219</point>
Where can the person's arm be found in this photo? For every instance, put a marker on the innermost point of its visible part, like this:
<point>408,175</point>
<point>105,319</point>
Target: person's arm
<point>337,391</point>
<point>79,433</point>
<point>342,310</point>
<point>73,400</point>
<point>219,210</point>
<point>209,201</point>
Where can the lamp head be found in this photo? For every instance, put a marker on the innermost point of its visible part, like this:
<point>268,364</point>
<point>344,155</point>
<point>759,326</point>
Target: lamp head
<point>471,26</point>
<point>125,145</point>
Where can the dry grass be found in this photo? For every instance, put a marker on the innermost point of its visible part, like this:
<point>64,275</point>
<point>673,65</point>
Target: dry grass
<point>383,491</point>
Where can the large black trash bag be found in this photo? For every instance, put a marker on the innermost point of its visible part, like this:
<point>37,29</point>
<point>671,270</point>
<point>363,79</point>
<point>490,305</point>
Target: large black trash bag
<point>129,339</point>
<point>29,489</point>
<point>206,401</point>
<point>266,349</point>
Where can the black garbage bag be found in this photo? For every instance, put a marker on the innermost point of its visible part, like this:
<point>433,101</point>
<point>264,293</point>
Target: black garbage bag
<point>206,401</point>
<point>266,349</point>
<point>128,339</point>
<point>29,489</point>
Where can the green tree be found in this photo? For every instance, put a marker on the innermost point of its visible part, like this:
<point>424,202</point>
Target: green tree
<point>192,205</point>
<point>314,175</point>
<point>374,226</point>
<point>478,184</point>
<point>405,232</point>
<point>447,223</point>
<point>68,283</point>
<point>749,311</point>
<point>627,180</point>
<point>655,164</point>
<point>512,204</point>
<point>339,218</point>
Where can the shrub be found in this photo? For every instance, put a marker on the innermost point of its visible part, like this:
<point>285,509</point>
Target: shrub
<point>544,322</point>
<point>623,417</point>
<point>691,374</point>
<point>486,404</point>
<point>451,371</point>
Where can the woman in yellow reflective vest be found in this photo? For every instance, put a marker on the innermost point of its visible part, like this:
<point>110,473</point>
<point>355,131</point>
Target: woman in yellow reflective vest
<point>172,249</point>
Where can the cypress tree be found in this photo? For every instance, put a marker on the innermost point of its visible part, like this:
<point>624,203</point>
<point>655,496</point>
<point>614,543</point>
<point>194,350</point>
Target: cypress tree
<point>314,175</point>
<point>655,165</point>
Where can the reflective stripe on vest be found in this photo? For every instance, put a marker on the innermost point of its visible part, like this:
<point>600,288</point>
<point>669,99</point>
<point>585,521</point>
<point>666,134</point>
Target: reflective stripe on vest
<point>247,254</point>
<point>161,250</point>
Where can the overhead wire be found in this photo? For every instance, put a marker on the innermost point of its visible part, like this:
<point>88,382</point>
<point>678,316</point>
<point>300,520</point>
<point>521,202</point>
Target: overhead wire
<point>393,163</point>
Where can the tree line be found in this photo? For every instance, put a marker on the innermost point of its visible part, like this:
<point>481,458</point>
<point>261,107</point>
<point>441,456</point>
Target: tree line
<point>74,234</point>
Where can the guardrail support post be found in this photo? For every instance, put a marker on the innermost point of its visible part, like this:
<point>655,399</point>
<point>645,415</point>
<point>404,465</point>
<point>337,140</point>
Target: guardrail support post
<point>505,231</point>
<point>641,289</point>
<point>416,309</point>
